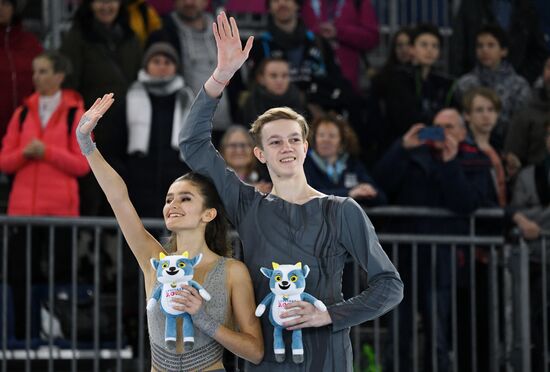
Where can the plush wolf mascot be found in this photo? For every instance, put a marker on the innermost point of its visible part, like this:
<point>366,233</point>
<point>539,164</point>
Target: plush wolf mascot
<point>287,283</point>
<point>172,273</point>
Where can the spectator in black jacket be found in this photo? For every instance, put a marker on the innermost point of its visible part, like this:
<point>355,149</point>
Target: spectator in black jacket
<point>452,174</point>
<point>272,88</point>
<point>312,61</point>
<point>380,90</point>
<point>525,144</point>
<point>414,94</point>
<point>157,104</point>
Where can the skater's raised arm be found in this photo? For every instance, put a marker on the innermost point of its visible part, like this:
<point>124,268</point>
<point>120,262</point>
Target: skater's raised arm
<point>143,245</point>
<point>231,54</point>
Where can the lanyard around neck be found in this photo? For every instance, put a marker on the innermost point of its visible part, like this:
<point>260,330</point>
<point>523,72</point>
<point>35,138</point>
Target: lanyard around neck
<point>316,6</point>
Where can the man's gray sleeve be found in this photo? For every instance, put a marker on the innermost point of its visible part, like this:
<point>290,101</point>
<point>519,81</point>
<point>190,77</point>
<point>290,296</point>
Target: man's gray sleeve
<point>385,288</point>
<point>198,152</point>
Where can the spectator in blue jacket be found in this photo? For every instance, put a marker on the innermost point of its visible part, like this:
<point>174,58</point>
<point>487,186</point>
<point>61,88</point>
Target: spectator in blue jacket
<point>332,165</point>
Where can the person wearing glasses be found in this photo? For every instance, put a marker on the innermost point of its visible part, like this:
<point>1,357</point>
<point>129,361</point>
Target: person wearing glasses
<point>236,148</point>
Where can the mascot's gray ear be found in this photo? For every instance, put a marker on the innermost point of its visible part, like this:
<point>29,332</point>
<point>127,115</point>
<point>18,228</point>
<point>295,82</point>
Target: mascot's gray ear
<point>197,259</point>
<point>267,272</point>
<point>155,263</point>
<point>305,270</point>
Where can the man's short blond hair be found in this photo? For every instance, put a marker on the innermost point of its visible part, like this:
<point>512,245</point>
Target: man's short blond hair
<point>277,113</point>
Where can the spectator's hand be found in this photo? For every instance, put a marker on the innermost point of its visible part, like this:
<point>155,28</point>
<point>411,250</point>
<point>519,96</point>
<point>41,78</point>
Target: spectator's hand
<point>363,191</point>
<point>188,300</point>
<point>410,139</point>
<point>327,30</point>
<point>530,230</point>
<point>513,164</point>
<point>307,316</point>
<point>450,148</point>
<point>231,55</point>
<point>34,149</point>
<point>263,186</point>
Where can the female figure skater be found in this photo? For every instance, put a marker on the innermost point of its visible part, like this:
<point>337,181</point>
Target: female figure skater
<point>194,215</point>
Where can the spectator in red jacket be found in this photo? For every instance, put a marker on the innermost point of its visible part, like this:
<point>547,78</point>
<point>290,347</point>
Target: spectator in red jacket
<point>17,50</point>
<point>40,149</point>
<point>40,146</point>
<point>350,27</point>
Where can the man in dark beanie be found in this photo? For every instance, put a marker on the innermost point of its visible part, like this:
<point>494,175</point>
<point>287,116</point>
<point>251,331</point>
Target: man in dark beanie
<point>157,104</point>
<point>188,28</point>
<point>164,49</point>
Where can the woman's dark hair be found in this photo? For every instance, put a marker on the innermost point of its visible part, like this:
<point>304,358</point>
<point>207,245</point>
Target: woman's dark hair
<point>217,229</point>
<point>426,28</point>
<point>18,6</point>
<point>84,18</point>
<point>349,140</point>
<point>59,62</point>
<point>495,31</point>
<point>260,70</point>
<point>392,60</point>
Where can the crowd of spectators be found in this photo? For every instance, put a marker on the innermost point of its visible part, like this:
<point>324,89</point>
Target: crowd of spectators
<point>307,58</point>
<point>371,145</point>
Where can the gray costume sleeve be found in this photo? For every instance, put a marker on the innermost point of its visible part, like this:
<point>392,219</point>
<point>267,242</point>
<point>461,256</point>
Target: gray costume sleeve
<point>385,288</point>
<point>200,155</point>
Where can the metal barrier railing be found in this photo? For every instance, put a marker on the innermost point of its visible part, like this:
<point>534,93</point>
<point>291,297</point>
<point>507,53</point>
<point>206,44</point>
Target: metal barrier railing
<point>433,246</point>
<point>529,269</point>
<point>516,288</point>
<point>412,253</point>
<point>71,348</point>
<point>382,336</point>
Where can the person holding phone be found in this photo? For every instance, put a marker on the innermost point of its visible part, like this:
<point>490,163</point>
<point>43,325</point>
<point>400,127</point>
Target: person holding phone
<point>423,169</point>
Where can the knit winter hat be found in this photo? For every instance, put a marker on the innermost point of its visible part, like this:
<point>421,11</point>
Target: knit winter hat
<point>161,48</point>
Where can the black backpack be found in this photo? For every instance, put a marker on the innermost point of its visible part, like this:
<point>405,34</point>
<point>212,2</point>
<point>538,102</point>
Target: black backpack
<point>5,182</point>
<point>70,118</point>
